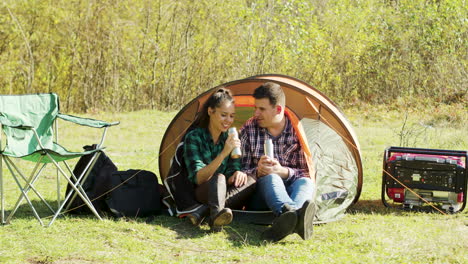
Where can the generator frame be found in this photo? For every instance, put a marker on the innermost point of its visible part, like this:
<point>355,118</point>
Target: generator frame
<point>387,173</point>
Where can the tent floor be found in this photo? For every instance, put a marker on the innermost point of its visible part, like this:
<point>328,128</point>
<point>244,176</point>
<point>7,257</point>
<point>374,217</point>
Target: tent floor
<point>254,217</point>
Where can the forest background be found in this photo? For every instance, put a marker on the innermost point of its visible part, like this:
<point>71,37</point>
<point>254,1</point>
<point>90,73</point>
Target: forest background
<point>397,68</point>
<point>129,55</point>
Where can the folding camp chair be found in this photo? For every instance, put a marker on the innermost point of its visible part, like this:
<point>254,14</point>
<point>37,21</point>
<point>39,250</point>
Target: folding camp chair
<point>29,123</point>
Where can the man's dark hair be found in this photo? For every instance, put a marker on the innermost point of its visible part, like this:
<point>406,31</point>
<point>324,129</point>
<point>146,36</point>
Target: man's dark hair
<point>272,91</point>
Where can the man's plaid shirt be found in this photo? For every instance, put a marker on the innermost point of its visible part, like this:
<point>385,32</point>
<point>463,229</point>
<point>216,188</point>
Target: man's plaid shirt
<point>287,149</point>
<point>200,150</point>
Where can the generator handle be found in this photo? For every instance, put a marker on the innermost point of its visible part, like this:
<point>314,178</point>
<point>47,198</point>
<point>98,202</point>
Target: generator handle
<point>455,153</point>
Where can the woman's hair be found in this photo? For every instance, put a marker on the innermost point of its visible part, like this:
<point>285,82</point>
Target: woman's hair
<point>220,96</point>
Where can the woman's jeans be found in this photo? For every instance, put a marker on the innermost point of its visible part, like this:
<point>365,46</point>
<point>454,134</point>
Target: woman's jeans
<point>273,191</point>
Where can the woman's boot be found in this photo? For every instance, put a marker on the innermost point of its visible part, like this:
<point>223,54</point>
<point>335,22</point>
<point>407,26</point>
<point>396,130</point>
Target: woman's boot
<point>219,215</point>
<point>196,217</point>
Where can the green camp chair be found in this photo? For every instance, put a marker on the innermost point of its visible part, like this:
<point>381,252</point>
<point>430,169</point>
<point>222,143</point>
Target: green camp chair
<point>29,123</point>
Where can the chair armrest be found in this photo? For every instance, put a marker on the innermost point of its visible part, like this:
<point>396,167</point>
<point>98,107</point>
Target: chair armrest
<point>86,121</point>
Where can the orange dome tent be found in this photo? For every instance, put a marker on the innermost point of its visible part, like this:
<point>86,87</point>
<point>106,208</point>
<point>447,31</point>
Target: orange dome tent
<point>329,138</point>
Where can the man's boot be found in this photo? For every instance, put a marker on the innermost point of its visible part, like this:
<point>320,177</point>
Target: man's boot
<point>305,220</point>
<point>219,215</point>
<point>283,225</point>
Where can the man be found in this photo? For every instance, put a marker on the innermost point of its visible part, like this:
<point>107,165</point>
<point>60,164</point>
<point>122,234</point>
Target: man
<point>283,182</point>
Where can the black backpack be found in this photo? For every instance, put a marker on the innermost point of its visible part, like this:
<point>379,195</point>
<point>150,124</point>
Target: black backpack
<point>134,193</point>
<point>96,184</point>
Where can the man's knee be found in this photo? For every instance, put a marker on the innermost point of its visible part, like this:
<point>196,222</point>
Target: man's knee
<point>303,185</point>
<point>305,181</point>
<point>269,179</point>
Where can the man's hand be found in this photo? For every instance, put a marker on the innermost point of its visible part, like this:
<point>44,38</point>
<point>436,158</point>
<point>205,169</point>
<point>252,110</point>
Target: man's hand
<point>267,166</point>
<point>238,179</point>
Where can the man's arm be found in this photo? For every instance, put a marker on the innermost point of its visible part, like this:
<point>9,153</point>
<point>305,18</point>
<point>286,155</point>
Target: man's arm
<point>298,167</point>
<point>291,163</point>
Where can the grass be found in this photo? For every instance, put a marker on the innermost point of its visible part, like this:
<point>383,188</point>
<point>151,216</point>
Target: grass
<point>370,233</point>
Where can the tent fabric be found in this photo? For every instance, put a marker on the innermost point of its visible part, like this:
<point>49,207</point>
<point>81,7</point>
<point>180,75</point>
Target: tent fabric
<point>330,138</point>
<point>303,142</point>
<point>335,170</point>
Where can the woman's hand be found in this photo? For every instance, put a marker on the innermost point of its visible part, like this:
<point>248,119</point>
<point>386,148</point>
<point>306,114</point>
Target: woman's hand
<point>238,179</point>
<point>231,143</point>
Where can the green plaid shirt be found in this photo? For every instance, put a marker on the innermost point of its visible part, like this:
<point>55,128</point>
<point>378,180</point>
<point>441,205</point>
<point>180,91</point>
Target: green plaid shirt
<point>200,150</point>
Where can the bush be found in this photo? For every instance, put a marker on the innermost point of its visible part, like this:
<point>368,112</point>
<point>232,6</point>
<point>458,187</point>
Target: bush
<point>160,54</point>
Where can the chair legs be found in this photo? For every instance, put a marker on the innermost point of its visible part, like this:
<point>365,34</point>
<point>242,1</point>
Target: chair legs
<point>76,186</point>
<point>26,188</point>
<point>73,181</point>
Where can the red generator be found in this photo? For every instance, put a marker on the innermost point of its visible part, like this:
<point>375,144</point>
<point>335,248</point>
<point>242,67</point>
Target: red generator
<point>438,176</point>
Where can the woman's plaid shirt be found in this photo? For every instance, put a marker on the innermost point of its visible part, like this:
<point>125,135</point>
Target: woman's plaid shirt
<point>200,150</point>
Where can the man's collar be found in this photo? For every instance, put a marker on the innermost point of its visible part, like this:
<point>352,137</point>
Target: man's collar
<point>287,124</point>
<point>284,123</point>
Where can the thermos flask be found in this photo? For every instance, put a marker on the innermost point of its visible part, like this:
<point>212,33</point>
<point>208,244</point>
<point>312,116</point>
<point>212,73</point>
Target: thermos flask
<point>236,152</point>
<point>268,148</point>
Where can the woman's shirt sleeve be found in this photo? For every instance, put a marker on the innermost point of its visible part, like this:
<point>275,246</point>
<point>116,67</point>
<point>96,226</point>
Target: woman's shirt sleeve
<point>193,155</point>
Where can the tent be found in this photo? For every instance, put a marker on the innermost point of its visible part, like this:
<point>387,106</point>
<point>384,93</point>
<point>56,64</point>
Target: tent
<point>331,140</point>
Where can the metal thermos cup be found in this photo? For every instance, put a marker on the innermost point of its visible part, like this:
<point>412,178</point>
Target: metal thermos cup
<point>236,152</point>
<point>268,148</point>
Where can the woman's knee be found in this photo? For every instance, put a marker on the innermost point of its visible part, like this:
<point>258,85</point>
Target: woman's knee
<point>218,178</point>
<point>251,180</point>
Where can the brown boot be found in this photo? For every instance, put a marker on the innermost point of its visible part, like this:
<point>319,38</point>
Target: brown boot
<point>196,217</point>
<point>219,216</point>
<point>224,217</point>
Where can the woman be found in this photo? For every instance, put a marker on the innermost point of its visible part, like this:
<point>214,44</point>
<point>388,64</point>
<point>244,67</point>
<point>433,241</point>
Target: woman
<point>220,185</point>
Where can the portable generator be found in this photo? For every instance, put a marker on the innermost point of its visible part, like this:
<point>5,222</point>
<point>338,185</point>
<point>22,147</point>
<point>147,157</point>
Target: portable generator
<point>438,176</point>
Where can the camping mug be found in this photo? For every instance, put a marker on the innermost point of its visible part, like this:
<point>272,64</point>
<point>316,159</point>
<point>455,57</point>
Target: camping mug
<point>236,152</point>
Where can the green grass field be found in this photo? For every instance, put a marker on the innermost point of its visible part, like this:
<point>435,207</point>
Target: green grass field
<point>369,233</point>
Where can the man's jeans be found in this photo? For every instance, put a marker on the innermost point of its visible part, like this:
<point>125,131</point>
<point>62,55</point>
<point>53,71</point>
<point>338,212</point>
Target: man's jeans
<point>275,192</point>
